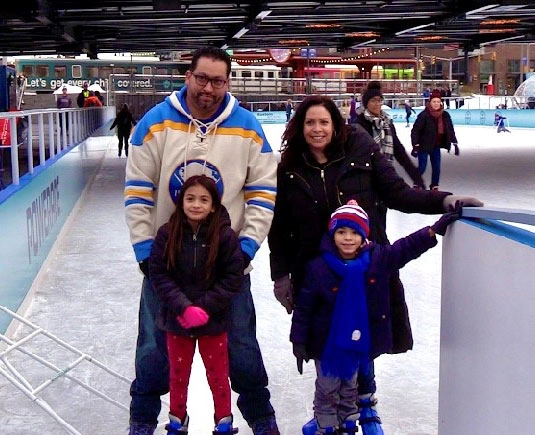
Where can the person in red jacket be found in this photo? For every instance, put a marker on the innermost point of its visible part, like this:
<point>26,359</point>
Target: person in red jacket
<point>92,100</point>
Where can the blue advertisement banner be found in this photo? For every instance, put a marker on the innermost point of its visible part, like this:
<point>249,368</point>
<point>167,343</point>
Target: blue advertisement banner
<point>516,118</point>
<point>32,218</point>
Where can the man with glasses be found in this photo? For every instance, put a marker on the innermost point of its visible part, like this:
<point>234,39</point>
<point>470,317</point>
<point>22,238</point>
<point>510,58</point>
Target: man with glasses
<point>200,129</point>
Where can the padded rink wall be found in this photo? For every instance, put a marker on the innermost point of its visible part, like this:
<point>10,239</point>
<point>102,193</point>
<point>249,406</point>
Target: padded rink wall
<point>487,338</point>
<point>33,215</point>
<point>515,118</point>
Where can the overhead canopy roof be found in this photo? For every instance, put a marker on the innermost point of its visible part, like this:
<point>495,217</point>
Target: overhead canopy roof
<point>77,26</point>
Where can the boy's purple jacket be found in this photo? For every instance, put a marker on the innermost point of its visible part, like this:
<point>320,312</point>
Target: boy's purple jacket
<point>315,304</point>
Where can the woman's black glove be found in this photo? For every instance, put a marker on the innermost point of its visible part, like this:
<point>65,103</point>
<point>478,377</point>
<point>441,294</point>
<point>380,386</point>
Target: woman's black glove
<point>283,291</point>
<point>300,353</point>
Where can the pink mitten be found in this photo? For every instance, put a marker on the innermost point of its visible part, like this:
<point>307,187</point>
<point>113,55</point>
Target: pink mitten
<point>192,317</point>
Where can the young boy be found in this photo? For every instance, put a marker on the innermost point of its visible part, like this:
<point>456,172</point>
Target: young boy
<point>343,316</point>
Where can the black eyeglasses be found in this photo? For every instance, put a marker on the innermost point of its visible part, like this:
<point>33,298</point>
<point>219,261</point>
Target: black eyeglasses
<point>203,80</point>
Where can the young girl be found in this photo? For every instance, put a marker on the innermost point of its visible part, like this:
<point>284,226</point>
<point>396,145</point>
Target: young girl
<point>196,267</point>
<point>343,316</point>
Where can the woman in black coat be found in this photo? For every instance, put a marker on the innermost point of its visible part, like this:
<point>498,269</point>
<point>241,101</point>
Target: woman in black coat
<point>323,165</point>
<point>432,130</point>
<point>124,123</point>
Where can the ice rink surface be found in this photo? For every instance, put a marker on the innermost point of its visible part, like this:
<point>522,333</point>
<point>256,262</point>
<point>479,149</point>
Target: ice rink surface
<point>88,294</point>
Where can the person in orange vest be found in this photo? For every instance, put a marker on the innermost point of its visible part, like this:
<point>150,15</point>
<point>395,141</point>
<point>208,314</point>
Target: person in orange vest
<point>92,100</point>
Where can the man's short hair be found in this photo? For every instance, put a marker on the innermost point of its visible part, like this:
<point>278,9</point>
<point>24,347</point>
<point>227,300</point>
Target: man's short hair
<point>212,53</point>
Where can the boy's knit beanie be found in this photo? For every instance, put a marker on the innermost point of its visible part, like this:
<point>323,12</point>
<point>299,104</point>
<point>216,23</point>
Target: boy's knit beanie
<point>352,216</point>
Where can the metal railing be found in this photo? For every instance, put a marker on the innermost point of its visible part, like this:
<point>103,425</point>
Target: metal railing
<point>30,138</point>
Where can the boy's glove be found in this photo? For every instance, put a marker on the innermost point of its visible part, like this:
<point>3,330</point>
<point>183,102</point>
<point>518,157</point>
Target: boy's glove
<point>284,293</point>
<point>440,226</point>
<point>415,150</point>
<point>450,202</point>
<point>300,353</point>
<point>192,317</point>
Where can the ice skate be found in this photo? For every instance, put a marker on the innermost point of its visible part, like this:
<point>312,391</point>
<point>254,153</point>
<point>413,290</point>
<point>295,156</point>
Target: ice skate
<point>225,427</point>
<point>267,426</point>
<point>310,427</point>
<point>369,419</point>
<point>349,426</point>
<point>175,425</point>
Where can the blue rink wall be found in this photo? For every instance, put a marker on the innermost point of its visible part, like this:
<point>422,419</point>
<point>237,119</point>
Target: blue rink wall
<point>516,118</point>
<point>32,217</point>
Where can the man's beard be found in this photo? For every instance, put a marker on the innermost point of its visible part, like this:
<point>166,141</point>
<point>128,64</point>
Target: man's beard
<point>206,101</point>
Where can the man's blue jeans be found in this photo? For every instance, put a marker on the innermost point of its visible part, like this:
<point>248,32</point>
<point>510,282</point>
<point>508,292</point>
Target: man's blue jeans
<point>248,376</point>
<point>152,366</point>
<point>434,157</point>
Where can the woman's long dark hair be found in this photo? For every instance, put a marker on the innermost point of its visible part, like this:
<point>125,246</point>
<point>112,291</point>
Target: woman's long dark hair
<point>293,139</point>
<point>178,218</point>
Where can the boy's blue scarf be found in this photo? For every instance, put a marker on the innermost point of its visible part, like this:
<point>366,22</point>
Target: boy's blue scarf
<point>348,344</point>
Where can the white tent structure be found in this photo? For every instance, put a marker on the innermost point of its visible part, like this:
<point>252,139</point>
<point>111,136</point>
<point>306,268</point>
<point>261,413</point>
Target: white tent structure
<point>526,88</point>
<point>525,93</point>
<point>96,87</point>
<point>71,89</point>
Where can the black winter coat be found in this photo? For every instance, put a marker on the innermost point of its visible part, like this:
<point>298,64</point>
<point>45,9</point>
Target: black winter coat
<point>308,193</point>
<point>187,284</point>
<point>400,154</point>
<point>424,132</point>
<point>314,310</point>
<point>124,123</point>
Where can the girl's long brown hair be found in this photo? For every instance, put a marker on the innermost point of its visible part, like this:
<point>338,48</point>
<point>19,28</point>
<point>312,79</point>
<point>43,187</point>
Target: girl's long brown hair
<point>173,246</point>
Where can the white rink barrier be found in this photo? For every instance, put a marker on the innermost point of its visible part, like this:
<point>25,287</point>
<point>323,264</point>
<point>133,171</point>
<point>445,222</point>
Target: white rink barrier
<point>487,340</point>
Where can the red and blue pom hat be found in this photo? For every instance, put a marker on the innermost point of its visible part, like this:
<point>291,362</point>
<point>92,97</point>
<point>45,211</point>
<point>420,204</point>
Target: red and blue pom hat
<point>352,216</point>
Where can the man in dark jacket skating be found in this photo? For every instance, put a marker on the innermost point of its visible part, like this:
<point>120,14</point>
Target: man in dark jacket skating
<point>124,123</point>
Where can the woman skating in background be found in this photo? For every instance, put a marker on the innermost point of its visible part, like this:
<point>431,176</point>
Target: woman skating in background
<point>432,130</point>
